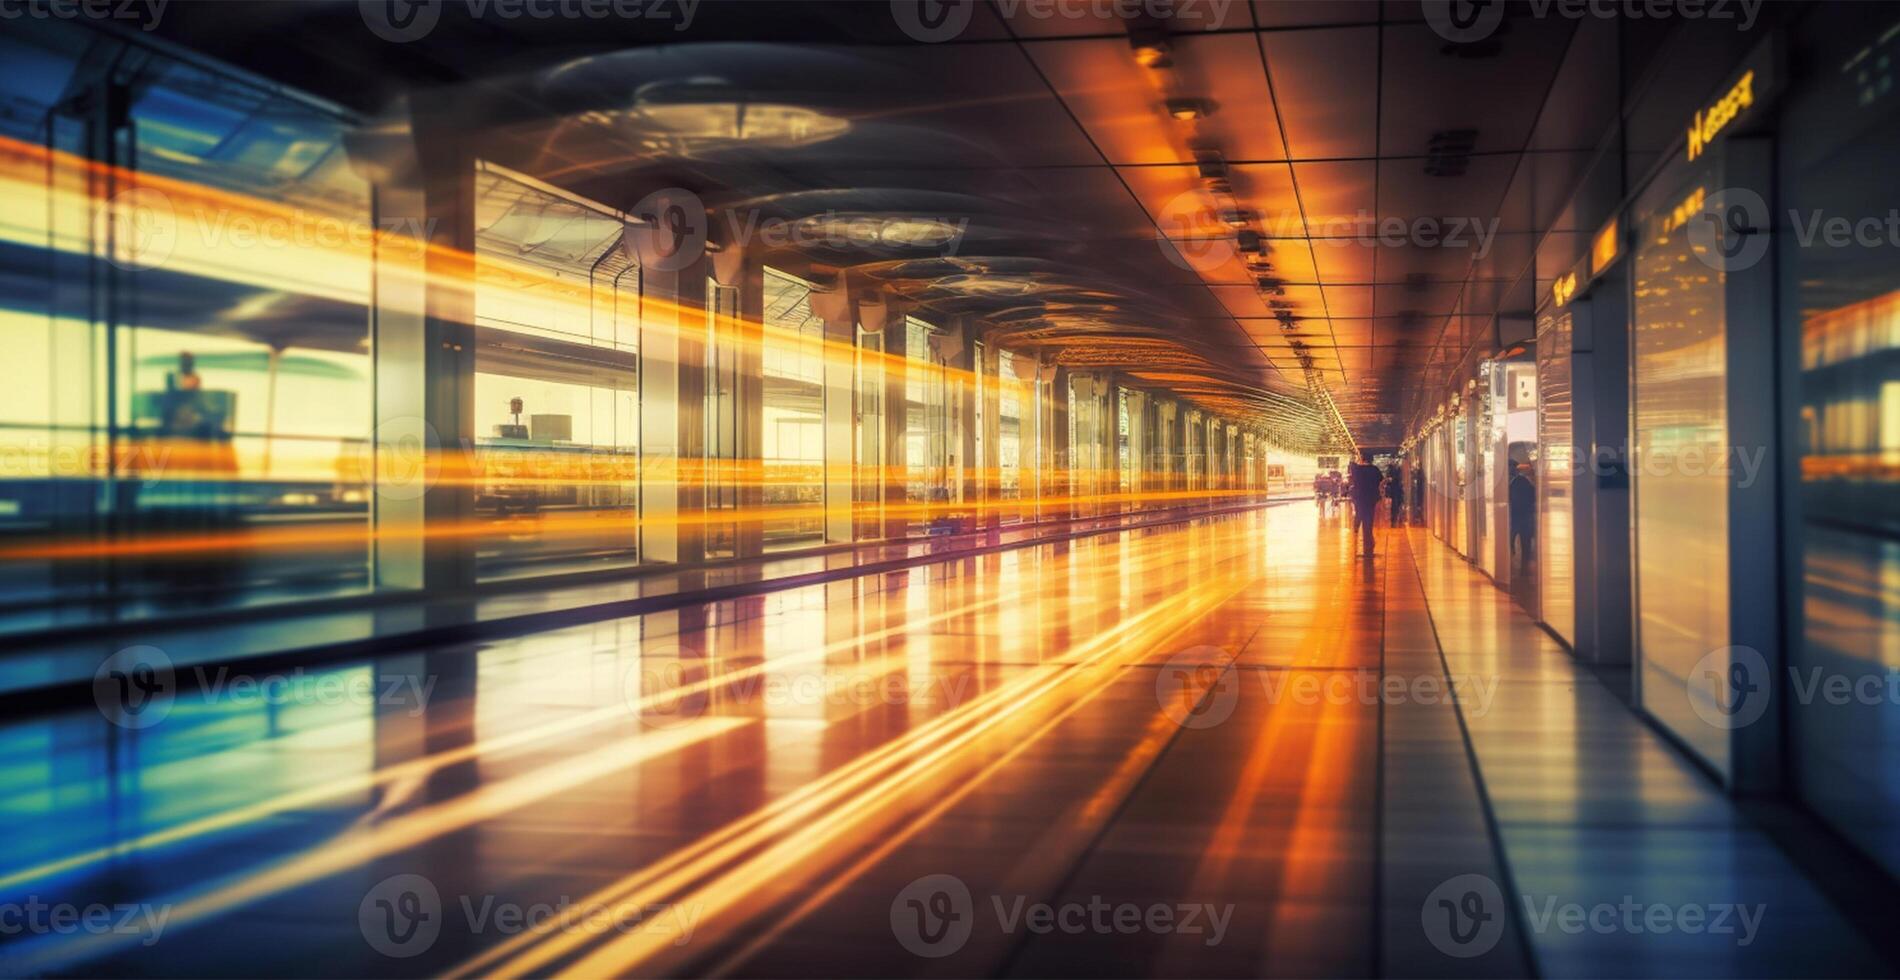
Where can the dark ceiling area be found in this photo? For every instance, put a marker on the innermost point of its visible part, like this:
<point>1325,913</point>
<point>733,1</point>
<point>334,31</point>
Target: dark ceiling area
<point>1270,208</point>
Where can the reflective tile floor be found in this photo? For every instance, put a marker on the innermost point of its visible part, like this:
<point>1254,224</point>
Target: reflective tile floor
<point>1221,749</point>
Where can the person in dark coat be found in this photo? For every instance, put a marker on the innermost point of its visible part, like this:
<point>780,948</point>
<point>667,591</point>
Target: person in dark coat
<point>1362,486</point>
<point>1523,510</point>
<point>1395,492</point>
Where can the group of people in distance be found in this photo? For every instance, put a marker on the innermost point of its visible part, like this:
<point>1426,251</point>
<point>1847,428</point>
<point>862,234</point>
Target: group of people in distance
<point>1362,486</point>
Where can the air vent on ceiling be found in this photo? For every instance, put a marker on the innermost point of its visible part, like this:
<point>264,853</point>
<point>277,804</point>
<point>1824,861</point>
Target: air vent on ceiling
<point>1449,154</point>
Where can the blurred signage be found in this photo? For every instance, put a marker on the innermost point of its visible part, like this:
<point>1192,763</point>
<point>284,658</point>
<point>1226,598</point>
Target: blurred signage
<point>1709,122</point>
<point>1753,84</point>
<point>1564,289</point>
<point>1606,246</point>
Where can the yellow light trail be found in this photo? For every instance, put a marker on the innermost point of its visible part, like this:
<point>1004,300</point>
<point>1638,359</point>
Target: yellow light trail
<point>800,831</point>
<point>495,746</point>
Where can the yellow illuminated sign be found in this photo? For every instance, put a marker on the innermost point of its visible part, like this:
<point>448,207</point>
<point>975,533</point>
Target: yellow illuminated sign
<point>1681,213</point>
<point>1708,122</point>
<point>1604,249</point>
<point>1564,288</point>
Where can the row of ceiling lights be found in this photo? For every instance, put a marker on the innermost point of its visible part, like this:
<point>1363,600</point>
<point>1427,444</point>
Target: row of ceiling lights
<point>1154,52</point>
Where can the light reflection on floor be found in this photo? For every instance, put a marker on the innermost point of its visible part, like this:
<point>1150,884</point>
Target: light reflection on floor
<point>751,787</point>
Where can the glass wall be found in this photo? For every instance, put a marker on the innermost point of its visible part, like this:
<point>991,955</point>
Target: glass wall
<point>927,423</point>
<point>792,358</point>
<point>1556,587</point>
<point>557,332</point>
<point>193,384</point>
<point>723,471</point>
<point>868,446</point>
<point>1016,427</point>
<point>184,313</point>
<point>1679,492</point>
<point>1841,317</point>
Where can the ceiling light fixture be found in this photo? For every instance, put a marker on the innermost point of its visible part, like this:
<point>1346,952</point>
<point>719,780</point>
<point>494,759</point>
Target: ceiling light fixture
<point>1151,48</point>
<point>1188,110</point>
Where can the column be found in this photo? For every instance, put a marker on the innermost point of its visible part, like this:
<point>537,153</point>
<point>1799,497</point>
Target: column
<point>422,334</point>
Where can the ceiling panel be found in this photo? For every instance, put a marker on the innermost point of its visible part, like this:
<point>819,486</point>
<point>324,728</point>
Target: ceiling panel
<point>1348,300</point>
<point>1337,194</point>
<point>1046,18</point>
<point>1433,87</point>
<point>1124,107</point>
<point>1306,13</point>
<point>1325,84</point>
<point>1343,260</point>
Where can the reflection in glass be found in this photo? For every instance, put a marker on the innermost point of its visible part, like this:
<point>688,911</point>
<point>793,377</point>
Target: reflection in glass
<point>792,357</point>
<point>557,314</point>
<point>1679,487</point>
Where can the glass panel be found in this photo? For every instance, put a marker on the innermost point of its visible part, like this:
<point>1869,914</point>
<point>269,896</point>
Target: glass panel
<point>1679,429</point>
<point>189,380</point>
<point>1014,455</point>
<point>1555,439</point>
<point>723,473</point>
<point>869,416</point>
<point>1843,136</point>
<point>926,421</point>
<point>557,314</point>
<point>792,356</point>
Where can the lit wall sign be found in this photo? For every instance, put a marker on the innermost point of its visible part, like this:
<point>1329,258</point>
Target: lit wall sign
<point>1564,289</point>
<point>1604,249</point>
<point>1709,122</point>
<point>1683,211</point>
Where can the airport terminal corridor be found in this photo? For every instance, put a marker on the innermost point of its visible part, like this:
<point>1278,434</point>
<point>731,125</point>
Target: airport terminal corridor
<point>949,488</point>
<point>1282,760</point>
